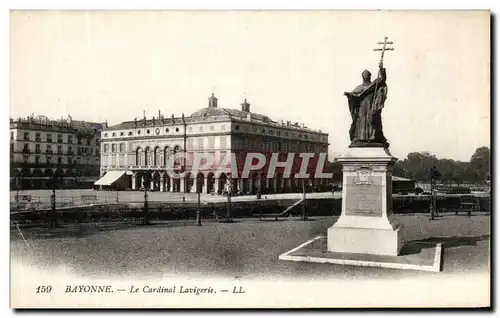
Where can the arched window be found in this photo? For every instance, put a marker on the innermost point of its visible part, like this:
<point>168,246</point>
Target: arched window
<point>157,154</point>
<point>147,153</point>
<point>138,157</point>
<point>166,155</point>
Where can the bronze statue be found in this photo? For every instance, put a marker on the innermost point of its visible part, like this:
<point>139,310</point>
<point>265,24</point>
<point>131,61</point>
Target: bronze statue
<point>366,102</point>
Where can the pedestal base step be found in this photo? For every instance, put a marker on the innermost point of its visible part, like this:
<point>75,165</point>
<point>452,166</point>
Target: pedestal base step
<point>365,240</point>
<point>414,256</point>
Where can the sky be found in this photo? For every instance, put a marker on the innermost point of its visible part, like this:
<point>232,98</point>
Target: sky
<point>291,65</point>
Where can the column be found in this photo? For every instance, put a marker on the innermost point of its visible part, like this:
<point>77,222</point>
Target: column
<point>216,185</point>
<point>240,185</point>
<point>205,184</point>
<point>170,185</point>
<point>151,185</point>
<point>133,180</point>
<point>182,187</point>
<point>162,186</point>
<point>286,185</point>
<point>194,185</point>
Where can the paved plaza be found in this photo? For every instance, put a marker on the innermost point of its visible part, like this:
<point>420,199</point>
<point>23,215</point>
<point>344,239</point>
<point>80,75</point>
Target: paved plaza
<point>247,248</point>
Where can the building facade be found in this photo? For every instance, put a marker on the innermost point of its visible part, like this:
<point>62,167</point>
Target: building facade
<point>41,148</point>
<point>139,150</point>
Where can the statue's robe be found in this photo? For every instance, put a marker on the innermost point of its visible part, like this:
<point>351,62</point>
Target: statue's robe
<point>365,105</point>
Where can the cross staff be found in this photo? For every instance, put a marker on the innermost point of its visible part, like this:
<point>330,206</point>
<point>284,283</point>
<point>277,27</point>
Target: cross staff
<point>383,49</point>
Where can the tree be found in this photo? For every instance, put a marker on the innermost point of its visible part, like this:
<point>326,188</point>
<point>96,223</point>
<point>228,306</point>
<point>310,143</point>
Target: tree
<point>479,167</point>
<point>417,165</point>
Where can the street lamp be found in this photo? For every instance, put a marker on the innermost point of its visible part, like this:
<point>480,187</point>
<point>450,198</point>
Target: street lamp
<point>146,183</point>
<point>55,179</point>
<point>229,190</point>
<point>304,215</point>
<point>198,212</point>
<point>434,174</point>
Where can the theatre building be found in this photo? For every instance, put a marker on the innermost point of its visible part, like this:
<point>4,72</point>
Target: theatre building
<point>41,149</point>
<point>139,150</point>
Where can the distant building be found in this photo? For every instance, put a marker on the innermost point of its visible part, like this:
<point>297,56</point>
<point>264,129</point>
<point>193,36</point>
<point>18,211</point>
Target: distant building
<point>134,150</point>
<point>41,148</point>
<point>402,185</point>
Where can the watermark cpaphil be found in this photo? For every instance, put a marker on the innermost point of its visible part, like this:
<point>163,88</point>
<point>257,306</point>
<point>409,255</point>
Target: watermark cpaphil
<point>295,165</point>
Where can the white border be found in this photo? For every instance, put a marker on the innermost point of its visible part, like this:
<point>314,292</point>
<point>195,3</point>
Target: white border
<point>190,4</point>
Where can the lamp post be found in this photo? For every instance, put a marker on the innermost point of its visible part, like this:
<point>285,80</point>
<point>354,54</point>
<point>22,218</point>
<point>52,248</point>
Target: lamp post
<point>304,214</point>
<point>198,212</point>
<point>229,189</point>
<point>53,219</point>
<point>434,174</point>
<point>17,191</point>
<point>146,183</point>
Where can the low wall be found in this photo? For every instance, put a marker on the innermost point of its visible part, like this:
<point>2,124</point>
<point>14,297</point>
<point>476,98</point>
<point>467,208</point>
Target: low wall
<point>183,211</point>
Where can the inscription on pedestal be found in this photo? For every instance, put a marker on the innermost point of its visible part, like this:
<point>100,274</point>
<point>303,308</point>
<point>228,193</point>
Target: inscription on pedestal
<point>364,198</point>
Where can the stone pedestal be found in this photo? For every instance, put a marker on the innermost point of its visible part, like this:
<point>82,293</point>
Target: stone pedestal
<point>365,225</point>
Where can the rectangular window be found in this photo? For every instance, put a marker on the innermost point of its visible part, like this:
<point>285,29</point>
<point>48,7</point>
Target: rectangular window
<point>122,147</point>
<point>201,143</point>
<point>26,136</point>
<point>70,139</point>
<point>59,161</point>
<point>222,142</point>
<point>59,138</point>
<point>11,147</point>
<point>113,148</point>
<point>37,160</point>
<point>106,146</point>
<point>12,136</point>
<point>37,148</point>
<point>49,160</point>
<point>59,149</point>
<point>122,160</point>
<point>211,142</point>
<point>113,160</point>
<point>49,137</point>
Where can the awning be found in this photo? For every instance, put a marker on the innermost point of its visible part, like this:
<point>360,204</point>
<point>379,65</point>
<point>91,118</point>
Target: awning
<point>110,178</point>
<point>400,179</point>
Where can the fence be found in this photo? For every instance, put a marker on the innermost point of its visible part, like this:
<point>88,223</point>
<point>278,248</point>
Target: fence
<point>31,202</point>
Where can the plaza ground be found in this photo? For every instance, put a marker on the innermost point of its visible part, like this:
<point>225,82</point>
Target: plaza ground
<point>247,248</point>
<point>137,196</point>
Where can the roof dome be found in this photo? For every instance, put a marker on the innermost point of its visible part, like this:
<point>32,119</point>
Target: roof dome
<point>210,111</point>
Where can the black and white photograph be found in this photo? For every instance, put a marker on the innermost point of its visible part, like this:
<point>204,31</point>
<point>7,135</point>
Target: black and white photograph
<point>250,159</point>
